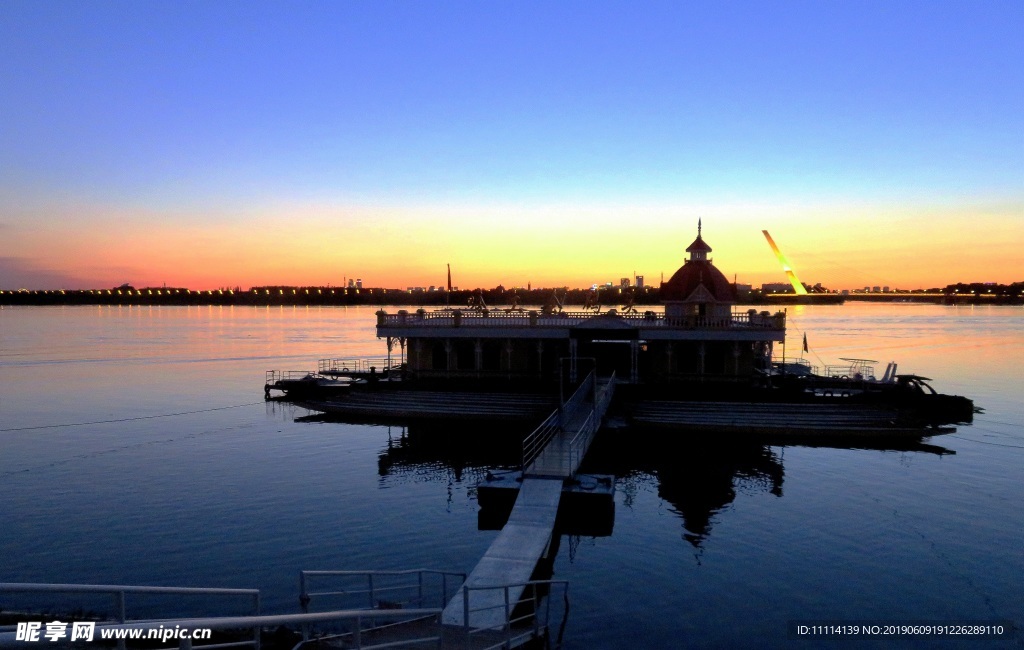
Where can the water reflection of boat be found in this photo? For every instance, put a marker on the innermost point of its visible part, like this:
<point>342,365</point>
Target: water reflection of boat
<point>701,480</point>
<point>699,484</point>
<point>421,446</point>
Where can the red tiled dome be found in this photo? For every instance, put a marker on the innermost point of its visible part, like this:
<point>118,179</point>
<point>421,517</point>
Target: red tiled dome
<point>693,274</point>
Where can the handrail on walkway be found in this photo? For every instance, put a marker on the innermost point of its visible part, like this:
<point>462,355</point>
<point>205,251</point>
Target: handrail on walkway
<point>533,592</point>
<point>534,443</point>
<point>256,623</point>
<point>379,584</point>
<point>120,592</point>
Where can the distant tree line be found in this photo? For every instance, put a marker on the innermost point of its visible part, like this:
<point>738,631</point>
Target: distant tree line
<point>291,295</point>
<point>986,288</point>
<point>497,297</point>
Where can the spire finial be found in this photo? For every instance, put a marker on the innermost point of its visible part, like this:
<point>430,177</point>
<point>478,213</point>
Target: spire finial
<point>698,226</point>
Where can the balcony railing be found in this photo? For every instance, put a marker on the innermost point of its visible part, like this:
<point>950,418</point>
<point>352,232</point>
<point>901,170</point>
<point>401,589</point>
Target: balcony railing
<point>749,319</point>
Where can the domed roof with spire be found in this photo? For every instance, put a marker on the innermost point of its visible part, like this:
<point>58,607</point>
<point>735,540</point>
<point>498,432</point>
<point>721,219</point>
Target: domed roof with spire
<point>697,280</point>
<point>698,245</point>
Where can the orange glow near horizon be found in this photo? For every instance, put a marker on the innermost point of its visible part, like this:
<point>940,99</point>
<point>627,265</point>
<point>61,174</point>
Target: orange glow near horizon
<point>543,245</point>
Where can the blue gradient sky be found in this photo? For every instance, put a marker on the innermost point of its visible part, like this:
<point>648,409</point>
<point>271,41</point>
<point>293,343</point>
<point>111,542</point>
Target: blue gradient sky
<point>558,143</point>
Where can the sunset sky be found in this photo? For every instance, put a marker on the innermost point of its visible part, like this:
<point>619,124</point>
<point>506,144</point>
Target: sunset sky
<point>214,144</point>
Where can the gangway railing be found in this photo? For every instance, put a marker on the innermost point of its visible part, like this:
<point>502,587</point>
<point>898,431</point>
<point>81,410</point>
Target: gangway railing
<point>590,398</point>
<point>527,617</point>
<point>356,619</point>
<point>534,443</point>
<point>374,589</point>
<point>580,442</point>
<point>120,598</point>
<point>585,392</point>
<point>556,423</point>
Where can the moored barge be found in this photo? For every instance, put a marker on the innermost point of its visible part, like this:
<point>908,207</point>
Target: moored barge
<point>676,367</point>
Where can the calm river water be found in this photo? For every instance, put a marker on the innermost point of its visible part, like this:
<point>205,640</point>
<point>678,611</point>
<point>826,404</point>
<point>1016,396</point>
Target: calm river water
<point>136,448</point>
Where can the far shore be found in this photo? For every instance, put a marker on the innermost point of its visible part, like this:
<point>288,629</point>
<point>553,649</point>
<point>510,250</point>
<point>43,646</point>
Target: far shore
<point>495,299</point>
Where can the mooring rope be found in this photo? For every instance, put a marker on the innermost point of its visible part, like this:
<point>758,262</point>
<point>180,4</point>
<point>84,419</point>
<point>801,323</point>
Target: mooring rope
<point>134,419</point>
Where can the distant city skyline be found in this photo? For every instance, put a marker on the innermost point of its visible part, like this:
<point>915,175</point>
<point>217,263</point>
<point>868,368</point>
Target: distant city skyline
<point>247,144</point>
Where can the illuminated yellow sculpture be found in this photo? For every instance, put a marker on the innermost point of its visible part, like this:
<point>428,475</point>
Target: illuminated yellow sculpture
<point>797,285</point>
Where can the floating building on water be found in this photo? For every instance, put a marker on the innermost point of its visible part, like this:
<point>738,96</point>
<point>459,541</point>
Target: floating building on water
<point>699,336</point>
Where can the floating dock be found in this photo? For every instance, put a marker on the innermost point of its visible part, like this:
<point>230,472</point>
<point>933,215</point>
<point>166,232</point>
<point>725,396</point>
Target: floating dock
<point>768,419</point>
<point>438,405</point>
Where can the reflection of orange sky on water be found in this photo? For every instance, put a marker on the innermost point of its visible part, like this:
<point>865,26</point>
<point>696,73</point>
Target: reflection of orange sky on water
<point>838,246</point>
<point>931,340</point>
<point>140,333</point>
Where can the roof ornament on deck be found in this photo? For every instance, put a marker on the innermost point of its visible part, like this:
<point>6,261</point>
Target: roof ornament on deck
<point>629,306</point>
<point>554,303</point>
<point>514,305</point>
<point>476,301</point>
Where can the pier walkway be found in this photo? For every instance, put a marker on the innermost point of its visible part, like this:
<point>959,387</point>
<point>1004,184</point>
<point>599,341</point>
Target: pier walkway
<point>552,453</point>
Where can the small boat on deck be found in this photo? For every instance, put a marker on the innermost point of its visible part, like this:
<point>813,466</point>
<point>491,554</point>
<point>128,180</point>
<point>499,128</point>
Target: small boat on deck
<point>332,378</point>
<point>855,383</point>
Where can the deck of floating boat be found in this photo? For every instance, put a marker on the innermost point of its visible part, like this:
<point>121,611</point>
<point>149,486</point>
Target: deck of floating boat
<point>770,418</point>
<point>439,404</point>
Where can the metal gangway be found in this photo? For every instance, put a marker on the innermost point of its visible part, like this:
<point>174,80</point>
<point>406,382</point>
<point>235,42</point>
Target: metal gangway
<point>556,448</point>
<point>551,454</point>
<point>355,609</point>
<point>530,616</point>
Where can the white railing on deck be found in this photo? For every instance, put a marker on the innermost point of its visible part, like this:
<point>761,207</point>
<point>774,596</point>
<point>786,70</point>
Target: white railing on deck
<point>737,319</point>
<point>274,376</point>
<point>344,366</point>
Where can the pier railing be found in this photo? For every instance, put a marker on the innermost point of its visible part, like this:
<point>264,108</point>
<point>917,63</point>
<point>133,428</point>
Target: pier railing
<point>749,319</point>
<point>361,623</point>
<point>534,443</point>
<point>558,421</point>
<point>580,442</point>
<point>527,617</point>
<point>329,367</point>
<point>274,376</point>
<point>382,589</point>
<point>120,599</point>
